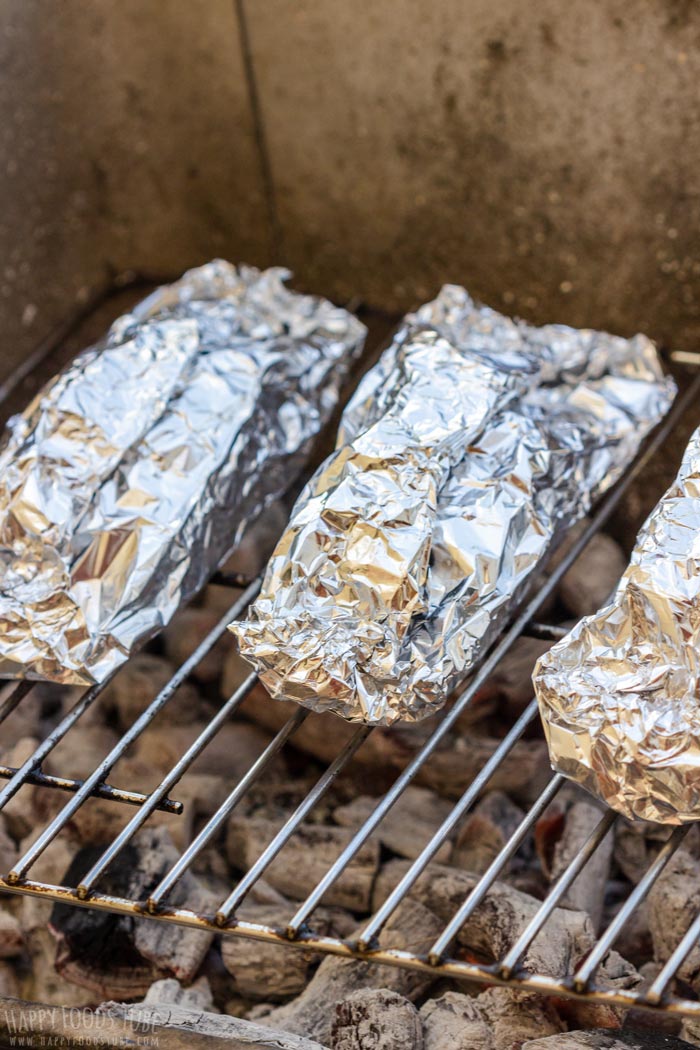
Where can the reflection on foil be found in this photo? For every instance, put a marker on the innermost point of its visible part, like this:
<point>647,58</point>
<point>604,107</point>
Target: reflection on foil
<point>126,481</point>
<point>619,694</point>
<point>473,441</point>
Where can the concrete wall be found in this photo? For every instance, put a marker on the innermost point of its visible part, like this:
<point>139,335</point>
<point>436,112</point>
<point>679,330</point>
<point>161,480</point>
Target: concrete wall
<point>546,154</point>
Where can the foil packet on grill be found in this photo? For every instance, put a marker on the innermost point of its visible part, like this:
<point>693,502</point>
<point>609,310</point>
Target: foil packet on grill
<point>463,456</point>
<point>619,694</point>
<point>136,470</point>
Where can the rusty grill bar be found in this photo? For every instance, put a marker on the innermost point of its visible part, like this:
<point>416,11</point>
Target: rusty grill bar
<point>299,929</point>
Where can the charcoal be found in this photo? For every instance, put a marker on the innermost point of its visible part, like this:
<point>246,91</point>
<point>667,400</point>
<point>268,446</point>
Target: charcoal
<point>673,901</point>
<point>451,769</point>
<point>271,972</point>
<point>498,921</point>
<point>587,892</point>
<point>186,631</point>
<point>139,682</point>
<point>119,955</point>
<point>413,927</point>
<point>409,824</point>
<point>228,756</point>
<point>455,1022</point>
<point>305,860</point>
<point>512,679</point>
<point>197,997</point>
<point>485,831</point>
<point>376,1019</point>
<point>11,937</point>
<point>496,1019</point>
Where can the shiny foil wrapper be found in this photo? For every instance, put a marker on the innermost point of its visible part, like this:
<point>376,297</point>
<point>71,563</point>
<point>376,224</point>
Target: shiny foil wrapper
<point>619,694</point>
<point>464,453</point>
<point>135,471</point>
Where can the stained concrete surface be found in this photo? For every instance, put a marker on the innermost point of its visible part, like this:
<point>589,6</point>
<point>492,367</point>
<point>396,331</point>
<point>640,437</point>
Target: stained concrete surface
<point>546,155</point>
<point>126,140</point>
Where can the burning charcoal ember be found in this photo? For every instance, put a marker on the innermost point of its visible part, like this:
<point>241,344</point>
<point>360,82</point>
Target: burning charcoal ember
<point>593,577</point>
<point>501,917</point>
<point>118,956</point>
<point>139,682</point>
<point>24,721</point>
<point>270,972</point>
<point>465,453</point>
<point>320,736</point>
<point>200,796</point>
<point>128,479</point>
<point>188,629</point>
<point>455,1022</point>
<point>485,831</point>
<point>197,996</point>
<point>673,903</point>
<point>413,927</point>
<point>409,824</point>
<point>615,973</point>
<point>305,859</point>
<point>618,695</point>
<point>376,1019</point>
<point>587,893</point>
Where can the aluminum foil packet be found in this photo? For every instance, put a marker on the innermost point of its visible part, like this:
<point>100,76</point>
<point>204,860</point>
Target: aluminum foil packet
<point>619,695</point>
<point>472,444</point>
<point>135,471</point>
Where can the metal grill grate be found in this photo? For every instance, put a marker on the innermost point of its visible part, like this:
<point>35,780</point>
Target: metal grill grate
<point>299,929</point>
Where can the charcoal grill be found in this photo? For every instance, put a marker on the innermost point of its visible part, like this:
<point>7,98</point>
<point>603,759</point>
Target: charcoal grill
<point>299,930</point>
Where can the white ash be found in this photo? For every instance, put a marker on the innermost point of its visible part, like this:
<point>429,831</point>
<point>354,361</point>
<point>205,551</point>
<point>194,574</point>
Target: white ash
<point>376,1019</point>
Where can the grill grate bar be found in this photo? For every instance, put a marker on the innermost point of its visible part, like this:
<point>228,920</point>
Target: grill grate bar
<point>214,823</point>
<point>166,784</point>
<point>14,699</point>
<point>586,970</point>
<point>33,762</point>
<point>658,988</point>
<point>105,791</point>
<point>373,928</point>
<point>513,957</point>
<point>234,900</point>
<point>487,880</point>
<point>32,854</point>
<point>298,933</point>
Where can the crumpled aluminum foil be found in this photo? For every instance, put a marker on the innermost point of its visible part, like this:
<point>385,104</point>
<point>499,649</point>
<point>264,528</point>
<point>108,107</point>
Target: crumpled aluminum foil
<point>619,695</point>
<point>472,443</point>
<point>135,471</point>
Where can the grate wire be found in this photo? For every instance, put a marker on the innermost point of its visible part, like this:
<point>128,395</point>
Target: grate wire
<point>298,931</point>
